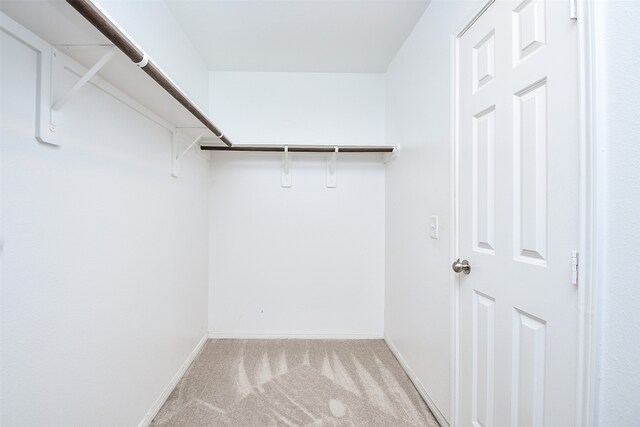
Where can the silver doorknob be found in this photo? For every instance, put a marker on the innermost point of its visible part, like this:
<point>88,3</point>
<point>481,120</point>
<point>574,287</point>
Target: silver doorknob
<point>461,266</point>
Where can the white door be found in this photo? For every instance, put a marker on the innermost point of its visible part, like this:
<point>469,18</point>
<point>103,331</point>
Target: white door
<point>518,201</point>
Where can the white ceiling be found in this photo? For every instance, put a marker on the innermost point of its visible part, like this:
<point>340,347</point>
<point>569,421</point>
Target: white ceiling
<point>351,36</point>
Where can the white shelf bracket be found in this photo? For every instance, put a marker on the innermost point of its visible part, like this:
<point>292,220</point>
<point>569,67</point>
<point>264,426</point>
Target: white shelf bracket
<point>84,79</point>
<point>286,168</point>
<point>332,178</point>
<point>45,133</point>
<point>175,165</point>
<point>176,155</point>
<point>52,116</point>
<point>390,156</point>
<point>50,69</point>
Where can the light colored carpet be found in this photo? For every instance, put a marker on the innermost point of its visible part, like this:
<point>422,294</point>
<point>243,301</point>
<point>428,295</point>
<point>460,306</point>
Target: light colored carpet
<point>295,383</point>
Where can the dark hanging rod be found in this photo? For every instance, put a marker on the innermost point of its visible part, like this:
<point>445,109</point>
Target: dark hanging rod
<point>95,16</point>
<point>302,148</point>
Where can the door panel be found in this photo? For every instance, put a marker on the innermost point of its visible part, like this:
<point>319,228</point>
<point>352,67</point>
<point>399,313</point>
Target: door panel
<point>518,138</point>
<point>530,174</point>
<point>527,376</point>
<point>483,358</point>
<point>484,200</point>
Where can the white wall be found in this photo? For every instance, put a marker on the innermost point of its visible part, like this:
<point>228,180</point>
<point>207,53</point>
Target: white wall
<point>104,258</point>
<point>618,125</point>
<point>152,25</point>
<point>306,260</point>
<point>299,108</point>
<point>417,298</point>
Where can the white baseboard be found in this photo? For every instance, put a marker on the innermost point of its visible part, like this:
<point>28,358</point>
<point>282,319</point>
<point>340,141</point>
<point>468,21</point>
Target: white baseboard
<point>172,384</point>
<point>296,335</point>
<point>416,382</point>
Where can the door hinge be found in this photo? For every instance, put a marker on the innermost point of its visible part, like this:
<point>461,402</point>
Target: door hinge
<point>575,260</point>
<point>573,9</point>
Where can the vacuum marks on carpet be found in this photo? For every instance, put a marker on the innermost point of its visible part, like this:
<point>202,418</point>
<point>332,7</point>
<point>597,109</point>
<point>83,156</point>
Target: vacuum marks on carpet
<point>260,383</point>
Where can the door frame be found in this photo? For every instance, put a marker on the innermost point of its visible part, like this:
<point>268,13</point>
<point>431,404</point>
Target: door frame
<point>589,212</point>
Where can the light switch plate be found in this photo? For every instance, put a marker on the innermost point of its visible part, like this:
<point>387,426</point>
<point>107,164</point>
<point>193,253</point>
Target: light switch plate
<point>433,227</point>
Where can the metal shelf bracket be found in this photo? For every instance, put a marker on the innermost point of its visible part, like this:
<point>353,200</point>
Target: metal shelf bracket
<point>286,168</point>
<point>84,79</point>
<point>332,178</point>
<point>176,155</point>
<point>44,132</point>
<point>388,157</point>
<point>53,117</point>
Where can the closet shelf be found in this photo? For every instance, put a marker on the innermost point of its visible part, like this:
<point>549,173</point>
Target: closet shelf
<point>82,31</point>
<point>304,148</point>
<point>109,29</point>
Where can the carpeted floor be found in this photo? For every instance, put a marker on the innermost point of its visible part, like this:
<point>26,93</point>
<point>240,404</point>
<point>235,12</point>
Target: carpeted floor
<point>249,383</point>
